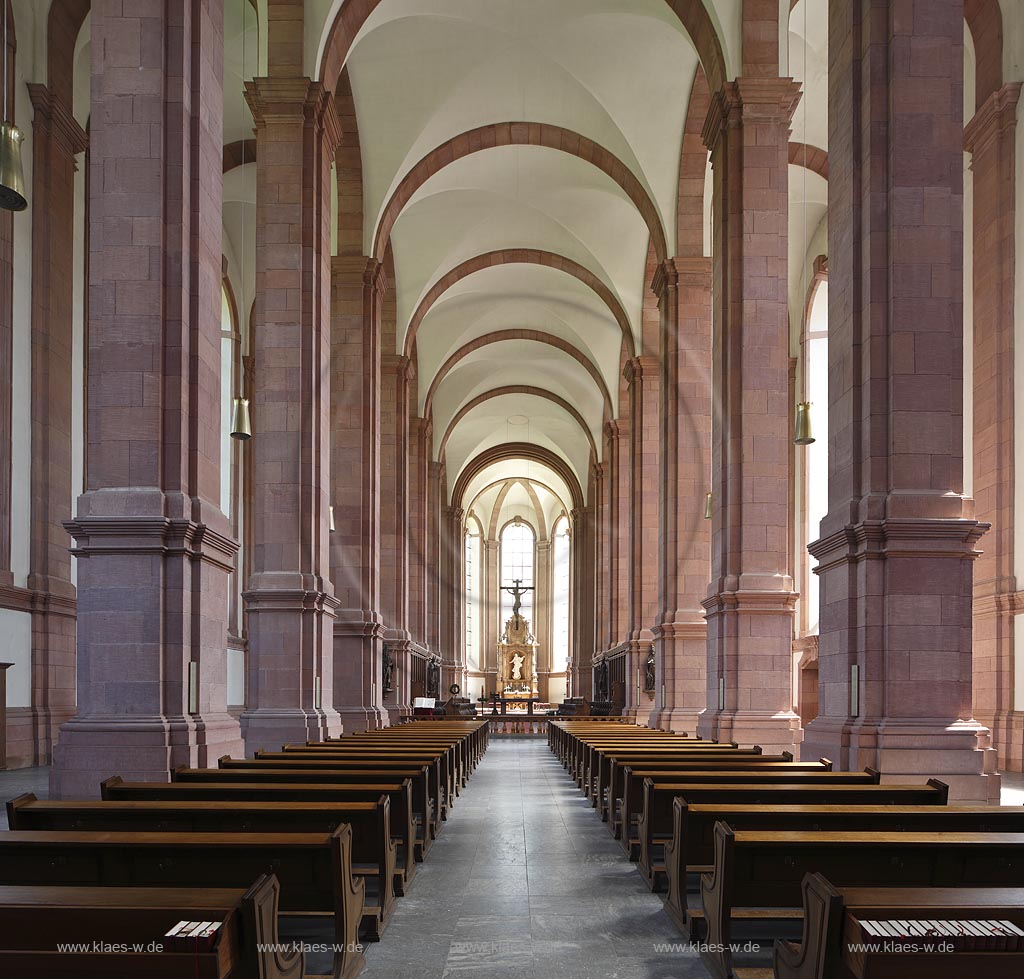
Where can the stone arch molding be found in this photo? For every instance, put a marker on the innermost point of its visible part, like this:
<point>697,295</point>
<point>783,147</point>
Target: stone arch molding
<point>518,256</point>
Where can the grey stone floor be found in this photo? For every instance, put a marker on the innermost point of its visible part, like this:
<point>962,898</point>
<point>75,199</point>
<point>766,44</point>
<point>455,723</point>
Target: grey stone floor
<point>526,881</point>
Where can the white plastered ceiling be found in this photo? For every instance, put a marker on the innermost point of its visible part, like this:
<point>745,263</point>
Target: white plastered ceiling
<point>423,72</point>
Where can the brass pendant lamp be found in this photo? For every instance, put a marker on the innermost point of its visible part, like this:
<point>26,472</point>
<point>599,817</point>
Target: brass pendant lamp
<point>802,434</point>
<point>240,427</point>
<point>12,175</point>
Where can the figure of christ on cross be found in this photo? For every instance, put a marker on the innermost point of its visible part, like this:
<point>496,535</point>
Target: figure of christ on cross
<point>517,591</point>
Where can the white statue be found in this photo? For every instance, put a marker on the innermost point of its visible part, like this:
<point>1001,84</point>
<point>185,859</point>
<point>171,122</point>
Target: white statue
<point>517,666</point>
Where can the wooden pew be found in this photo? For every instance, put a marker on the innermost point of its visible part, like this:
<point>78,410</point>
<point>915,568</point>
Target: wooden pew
<point>636,795</point>
<point>314,869</point>
<point>451,751</point>
<point>422,811</point>
<point>690,851</point>
<point>34,919</point>
<point>380,815</point>
<point>759,874</point>
<point>618,765</point>
<point>375,769</point>
<point>583,759</point>
<point>831,926</point>
<point>610,765</point>
<point>594,757</point>
<point>445,776</point>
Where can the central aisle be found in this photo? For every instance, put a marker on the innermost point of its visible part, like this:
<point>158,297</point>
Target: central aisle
<point>526,882</point>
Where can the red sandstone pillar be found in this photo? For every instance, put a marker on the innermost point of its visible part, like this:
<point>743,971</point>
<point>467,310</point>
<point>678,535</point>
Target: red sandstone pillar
<point>451,610</point>
<point>57,138</point>
<point>436,495</point>
<point>643,377</point>
<point>582,584</point>
<point>358,288</point>
<point>602,549</point>
<point>750,601</point>
<point>683,286</point>
<point>153,546</point>
<point>396,516</point>
<point>289,597</point>
<point>990,138</point>
<point>898,544</point>
<point>419,439</point>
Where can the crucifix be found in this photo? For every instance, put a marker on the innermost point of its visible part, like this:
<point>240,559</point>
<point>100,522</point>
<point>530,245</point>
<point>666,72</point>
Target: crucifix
<point>517,591</point>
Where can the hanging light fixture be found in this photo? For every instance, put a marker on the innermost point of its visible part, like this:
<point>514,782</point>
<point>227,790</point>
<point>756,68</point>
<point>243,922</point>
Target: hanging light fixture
<point>707,507</point>
<point>330,511</point>
<point>802,432</point>
<point>240,427</point>
<point>12,175</point>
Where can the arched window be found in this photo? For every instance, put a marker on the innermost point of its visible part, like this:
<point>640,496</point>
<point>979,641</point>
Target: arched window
<point>816,458</point>
<point>560,595</point>
<point>517,559</point>
<point>474,616</point>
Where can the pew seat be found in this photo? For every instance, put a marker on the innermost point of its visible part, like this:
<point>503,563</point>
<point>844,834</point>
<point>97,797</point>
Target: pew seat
<point>833,931</point>
<point>120,933</point>
<point>314,870</point>
<point>760,874</point>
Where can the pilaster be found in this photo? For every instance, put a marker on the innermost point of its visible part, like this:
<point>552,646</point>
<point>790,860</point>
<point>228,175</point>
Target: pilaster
<point>290,599</point>
<point>749,604</point>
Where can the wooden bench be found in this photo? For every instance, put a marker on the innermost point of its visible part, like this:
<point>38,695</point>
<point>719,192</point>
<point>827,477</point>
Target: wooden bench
<point>452,760</point>
<point>422,812</point>
<point>610,767</point>
<point>831,926</point>
<point>759,874</point>
<point>34,919</point>
<point>380,816</point>
<point>690,850</point>
<point>636,796</point>
<point>314,869</point>
<point>426,784</point>
<point>584,761</point>
<point>343,758</point>
<point>618,766</point>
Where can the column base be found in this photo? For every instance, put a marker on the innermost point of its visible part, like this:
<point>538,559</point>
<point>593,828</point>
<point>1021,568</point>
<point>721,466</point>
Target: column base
<point>680,720</point>
<point>357,654</point>
<point>1007,729</point>
<point>139,748</point>
<point>773,732</point>
<point>267,728</point>
<point>957,753</point>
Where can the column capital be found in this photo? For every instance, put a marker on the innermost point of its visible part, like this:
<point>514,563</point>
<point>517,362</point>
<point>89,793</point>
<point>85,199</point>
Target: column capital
<point>53,116</point>
<point>615,429</point>
<point>996,118</point>
<point>744,100</point>
<point>640,368</point>
<point>374,277</point>
<point>288,98</point>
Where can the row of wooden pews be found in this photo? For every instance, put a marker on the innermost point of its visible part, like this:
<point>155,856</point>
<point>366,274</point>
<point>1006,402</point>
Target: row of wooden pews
<point>738,838</point>
<point>329,829</point>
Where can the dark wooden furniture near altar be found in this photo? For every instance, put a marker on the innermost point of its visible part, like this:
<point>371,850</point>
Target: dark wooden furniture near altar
<point>4,667</point>
<point>34,919</point>
<point>833,930</point>
<point>505,701</point>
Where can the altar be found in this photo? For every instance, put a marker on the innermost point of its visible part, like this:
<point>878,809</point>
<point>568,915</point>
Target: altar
<point>517,660</point>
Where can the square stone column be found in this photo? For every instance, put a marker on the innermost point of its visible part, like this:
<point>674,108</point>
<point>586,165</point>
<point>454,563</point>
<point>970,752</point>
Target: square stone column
<point>582,587</point>
<point>990,139</point>
<point>642,464</point>
<point>56,140</point>
<point>750,600</point>
<point>359,285</point>
<point>154,549</point>
<point>396,515</point>
<point>898,544</point>
<point>289,596</point>
<point>683,286</point>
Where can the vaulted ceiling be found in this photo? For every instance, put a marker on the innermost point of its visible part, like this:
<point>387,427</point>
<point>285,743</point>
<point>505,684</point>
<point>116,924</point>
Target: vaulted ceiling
<point>520,163</point>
